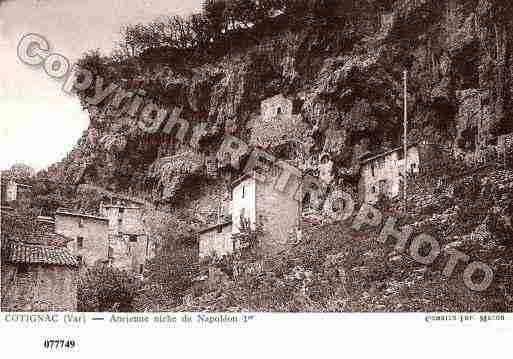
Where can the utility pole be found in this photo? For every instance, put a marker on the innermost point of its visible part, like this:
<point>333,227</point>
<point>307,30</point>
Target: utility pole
<point>405,141</point>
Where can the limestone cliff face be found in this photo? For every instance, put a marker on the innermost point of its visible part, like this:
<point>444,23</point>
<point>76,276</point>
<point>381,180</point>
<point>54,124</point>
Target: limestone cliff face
<point>347,89</point>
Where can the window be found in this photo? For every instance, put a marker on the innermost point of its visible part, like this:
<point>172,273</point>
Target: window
<point>372,169</point>
<point>133,238</point>
<point>80,222</point>
<point>373,189</point>
<point>141,268</point>
<point>306,199</point>
<point>278,111</point>
<point>120,218</point>
<point>80,242</point>
<point>219,229</point>
<point>243,191</point>
<point>383,186</point>
<point>23,268</point>
<point>110,252</point>
<point>80,260</point>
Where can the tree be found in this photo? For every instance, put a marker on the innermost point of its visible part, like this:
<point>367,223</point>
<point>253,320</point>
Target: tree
<point>214,12</point>
<point>166,229</point>
<point>173,268</point>
<point>178,32</point>
<point>135,38</point>
<point>324,11</point>
<point>199,30</point>
<point>240,12</point>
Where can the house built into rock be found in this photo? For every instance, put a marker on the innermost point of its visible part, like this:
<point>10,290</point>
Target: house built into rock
<point>276,105</point>
<point>259,203</point>
<point>383,174</point>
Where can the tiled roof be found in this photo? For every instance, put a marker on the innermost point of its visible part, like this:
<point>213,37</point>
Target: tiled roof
<point>215,226</point>
<point>19,228</point>
<point>46,239</point>
<point>35,254</point>
<point>242,178</point>
<point>65,212</point>
<point>386,153</point>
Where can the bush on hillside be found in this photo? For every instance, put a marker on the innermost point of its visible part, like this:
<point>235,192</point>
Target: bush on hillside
<point>105,289</point>
<point>167,277</point>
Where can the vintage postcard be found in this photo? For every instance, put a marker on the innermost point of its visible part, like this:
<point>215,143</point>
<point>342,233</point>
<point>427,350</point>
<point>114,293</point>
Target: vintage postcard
<point>224,171</point>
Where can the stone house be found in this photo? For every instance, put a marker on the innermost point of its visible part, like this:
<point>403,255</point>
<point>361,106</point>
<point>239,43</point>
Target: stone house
<point>38,278</point>
<point>8,191</point>
<point>23,191</point>
<point>276,105</point>
<point>90,236</point>
<point>13,191</point>
<point>259,203</point>
<point>383,173</point>
<point>216,239</point>
<point>129,246</point>
<point>326,168</point>
<point>505,147</point>
<point>277,124</point>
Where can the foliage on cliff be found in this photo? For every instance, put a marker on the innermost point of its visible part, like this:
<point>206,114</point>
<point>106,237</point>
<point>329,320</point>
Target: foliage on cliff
<point>341,60</point>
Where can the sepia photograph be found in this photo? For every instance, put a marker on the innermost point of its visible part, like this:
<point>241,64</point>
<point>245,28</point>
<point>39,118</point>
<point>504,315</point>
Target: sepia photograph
<point>232,162</point>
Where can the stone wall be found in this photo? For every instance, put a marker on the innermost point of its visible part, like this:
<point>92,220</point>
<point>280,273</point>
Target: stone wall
<point>42,288</point>
<point>216,240</point>
<point>123,219</point>
<point>129,252</point>
<point>278,212</point>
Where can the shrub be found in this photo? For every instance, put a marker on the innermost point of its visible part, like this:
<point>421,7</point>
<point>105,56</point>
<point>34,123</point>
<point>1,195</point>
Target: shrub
<point>105,289</point>
<point>168,276</point>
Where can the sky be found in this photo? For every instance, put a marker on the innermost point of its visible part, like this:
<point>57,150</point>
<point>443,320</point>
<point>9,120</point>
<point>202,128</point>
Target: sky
<point>39,123</point>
